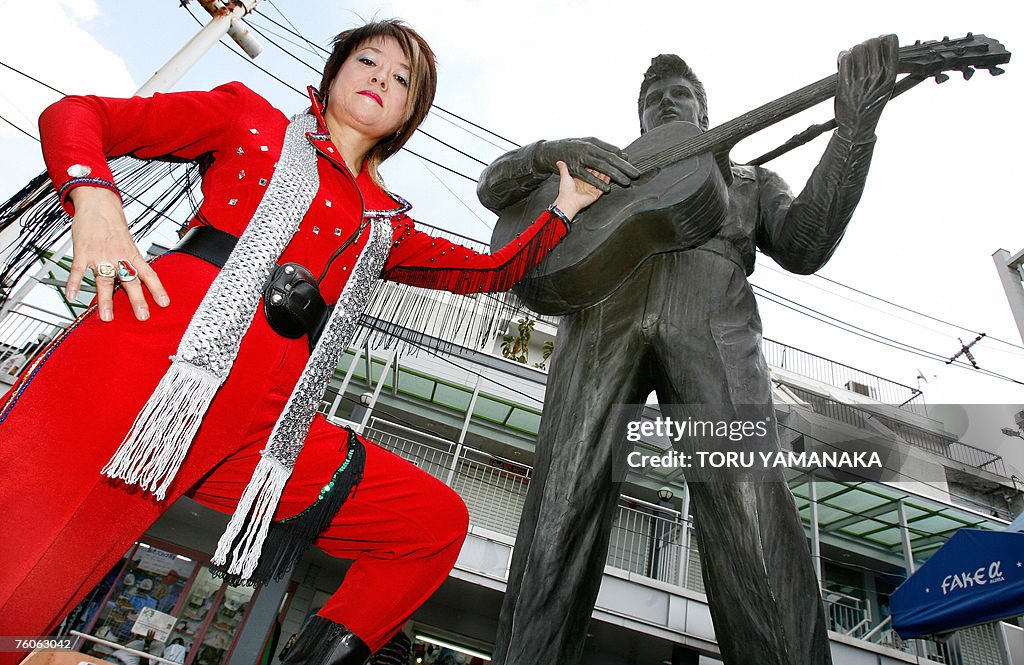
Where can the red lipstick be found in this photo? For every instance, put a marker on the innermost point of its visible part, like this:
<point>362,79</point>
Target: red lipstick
<point>372,95</point>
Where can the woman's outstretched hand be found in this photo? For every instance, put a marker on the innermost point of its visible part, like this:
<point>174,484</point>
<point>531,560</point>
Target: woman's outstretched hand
<point>103,244</point>
<point>575,194</point>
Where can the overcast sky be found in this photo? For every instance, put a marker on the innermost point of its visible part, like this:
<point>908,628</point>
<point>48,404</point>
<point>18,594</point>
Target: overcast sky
<point>942,196</point>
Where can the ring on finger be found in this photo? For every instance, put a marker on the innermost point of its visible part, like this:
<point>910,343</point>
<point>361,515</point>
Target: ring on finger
<point>105,269</point>
<point>126,272</point>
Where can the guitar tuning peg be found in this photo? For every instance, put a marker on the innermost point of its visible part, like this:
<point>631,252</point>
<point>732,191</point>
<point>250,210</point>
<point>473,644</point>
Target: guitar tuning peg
<point>945,39</point>
<point>967,72</point>
<point>970,35</point>
<point>941,78</point>
<point>996,71</point>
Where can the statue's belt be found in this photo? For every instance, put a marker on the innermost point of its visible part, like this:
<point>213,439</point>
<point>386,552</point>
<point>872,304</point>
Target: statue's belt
<point>291,296</point>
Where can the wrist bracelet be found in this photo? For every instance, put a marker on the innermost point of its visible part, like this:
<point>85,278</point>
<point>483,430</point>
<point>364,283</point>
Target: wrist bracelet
<point>557,212</point>
<point>78,182</point>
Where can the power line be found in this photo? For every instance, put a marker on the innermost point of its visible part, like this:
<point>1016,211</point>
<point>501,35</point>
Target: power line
<point>267,72</point>
<point>439,165</point>
<point>247,58</point>
<point>19,129</point>
<point>793,305</point>
<point>288,21</point>
<point>914,311</point>
<point>457,197</point>
<point>439,108</point>
<point>480,127</point>
<point>449,145</point>
<point>32,78</point>
<point>471,133</point>
<point>284,50</point>
<point>296,33</point>
<point>900,346</point>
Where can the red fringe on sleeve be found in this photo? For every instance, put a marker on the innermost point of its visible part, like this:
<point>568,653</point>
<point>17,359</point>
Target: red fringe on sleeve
<point>419,259</point>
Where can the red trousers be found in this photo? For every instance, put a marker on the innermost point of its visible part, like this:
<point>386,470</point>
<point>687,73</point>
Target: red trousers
<point>63,525</point>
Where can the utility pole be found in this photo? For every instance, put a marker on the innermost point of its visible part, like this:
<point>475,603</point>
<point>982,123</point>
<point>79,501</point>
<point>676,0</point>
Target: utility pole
<point>1011,274</point>
<point>226,19</point>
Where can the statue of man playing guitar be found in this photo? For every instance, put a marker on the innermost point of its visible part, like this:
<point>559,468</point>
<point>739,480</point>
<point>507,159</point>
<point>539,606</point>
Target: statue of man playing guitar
<point>683,322</point>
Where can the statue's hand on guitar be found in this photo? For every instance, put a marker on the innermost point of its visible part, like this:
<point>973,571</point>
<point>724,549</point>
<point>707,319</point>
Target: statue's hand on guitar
<point>586,159</point>
<point>867,74</point>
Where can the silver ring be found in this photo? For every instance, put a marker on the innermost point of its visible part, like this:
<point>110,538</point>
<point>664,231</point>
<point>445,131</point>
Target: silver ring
<point>105,269</point>
<point>126,272</point>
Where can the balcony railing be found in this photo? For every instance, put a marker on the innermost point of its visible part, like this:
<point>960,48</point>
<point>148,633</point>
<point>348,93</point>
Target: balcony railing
<point>947,447</point>
<point>843,376</point>
<point>24,332</point>
<point>977,645</point>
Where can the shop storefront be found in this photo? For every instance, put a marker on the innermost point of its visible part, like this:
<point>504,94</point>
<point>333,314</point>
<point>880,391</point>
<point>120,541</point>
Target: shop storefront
<point>168,593</point>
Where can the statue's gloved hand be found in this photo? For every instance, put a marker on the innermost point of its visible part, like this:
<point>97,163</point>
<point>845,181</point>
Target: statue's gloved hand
<point>867,73</point>
<point>582,154</point>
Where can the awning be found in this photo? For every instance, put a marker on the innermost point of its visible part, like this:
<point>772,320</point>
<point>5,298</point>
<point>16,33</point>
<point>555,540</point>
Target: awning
<point>975,578</point>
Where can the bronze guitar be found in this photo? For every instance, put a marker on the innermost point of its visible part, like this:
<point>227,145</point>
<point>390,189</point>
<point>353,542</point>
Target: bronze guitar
<point>681,197</point>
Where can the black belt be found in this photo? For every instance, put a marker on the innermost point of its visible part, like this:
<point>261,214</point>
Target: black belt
<point>291,296</point>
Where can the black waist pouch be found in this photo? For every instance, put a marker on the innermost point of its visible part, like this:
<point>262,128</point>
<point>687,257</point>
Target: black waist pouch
<point>293,305</point>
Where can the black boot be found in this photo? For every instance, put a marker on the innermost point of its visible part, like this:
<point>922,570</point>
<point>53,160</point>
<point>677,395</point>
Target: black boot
<point>323,642</point>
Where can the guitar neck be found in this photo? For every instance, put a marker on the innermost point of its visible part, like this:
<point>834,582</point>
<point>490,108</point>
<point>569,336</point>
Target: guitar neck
<point>919,60</point>
<point>728,134</point>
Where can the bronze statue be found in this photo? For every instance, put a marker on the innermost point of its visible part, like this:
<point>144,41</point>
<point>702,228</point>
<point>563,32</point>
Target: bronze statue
<point>675,315</point>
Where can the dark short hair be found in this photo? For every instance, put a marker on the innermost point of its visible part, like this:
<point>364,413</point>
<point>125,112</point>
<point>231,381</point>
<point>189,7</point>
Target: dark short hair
<point>422,84</point>
<point>667,65</point>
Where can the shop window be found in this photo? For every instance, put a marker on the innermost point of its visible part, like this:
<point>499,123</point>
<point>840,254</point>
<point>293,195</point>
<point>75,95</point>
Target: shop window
<point>195,616</point>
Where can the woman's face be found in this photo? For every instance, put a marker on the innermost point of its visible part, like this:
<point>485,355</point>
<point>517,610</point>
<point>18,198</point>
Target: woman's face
<point>371,90</point>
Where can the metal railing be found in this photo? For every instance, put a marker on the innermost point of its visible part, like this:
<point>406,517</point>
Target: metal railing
<point>977,645</point>
<point>846,614</point>
<point>24,332</point>
<point>947,447</point>
<point>841,376</point>
<point>646,540</point>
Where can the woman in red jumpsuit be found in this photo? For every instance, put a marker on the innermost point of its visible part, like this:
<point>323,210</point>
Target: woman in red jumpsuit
<point>102,432</point>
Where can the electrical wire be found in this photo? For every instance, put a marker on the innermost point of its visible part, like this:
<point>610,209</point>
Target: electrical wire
<point>439,165</point>
<point>449,145</point>
<point>457,197</point>
<point>247,58</point>
<point>32,78</point>
<point>283,82</point>
<point>914,311</point>
<point>901,346</point>
<point>439,108</point>
<point>471,133</point>
<point>34,138</point>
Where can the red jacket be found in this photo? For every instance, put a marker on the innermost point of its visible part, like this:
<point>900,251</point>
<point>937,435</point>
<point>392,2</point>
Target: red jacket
<point>238,136</point>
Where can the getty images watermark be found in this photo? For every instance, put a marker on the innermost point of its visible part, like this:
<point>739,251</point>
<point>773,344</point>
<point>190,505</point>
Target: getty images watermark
<point>748,443</point>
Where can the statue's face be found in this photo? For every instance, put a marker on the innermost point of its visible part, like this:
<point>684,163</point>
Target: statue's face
<point>668,100</point>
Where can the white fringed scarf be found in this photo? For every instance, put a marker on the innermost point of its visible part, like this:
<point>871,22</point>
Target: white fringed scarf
<point>154,449</point>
